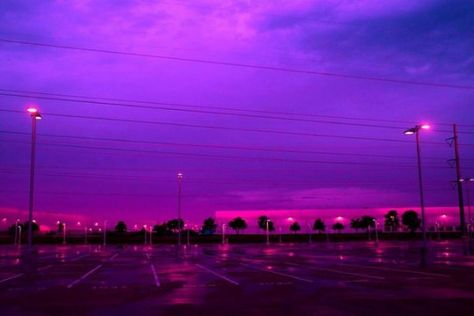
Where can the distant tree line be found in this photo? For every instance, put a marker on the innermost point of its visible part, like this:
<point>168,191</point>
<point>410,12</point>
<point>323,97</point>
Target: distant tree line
<point>392,222</point>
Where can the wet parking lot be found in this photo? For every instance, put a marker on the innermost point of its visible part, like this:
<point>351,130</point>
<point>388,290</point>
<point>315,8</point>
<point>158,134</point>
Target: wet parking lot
<point>321,278</point>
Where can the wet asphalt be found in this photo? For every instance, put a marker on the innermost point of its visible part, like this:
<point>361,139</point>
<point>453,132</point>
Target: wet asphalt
<point>352,278</point>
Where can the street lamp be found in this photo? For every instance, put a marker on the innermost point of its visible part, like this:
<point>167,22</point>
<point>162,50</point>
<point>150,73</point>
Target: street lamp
<point>35,115</point>
<point>180,180</point>
<point>416,131</point>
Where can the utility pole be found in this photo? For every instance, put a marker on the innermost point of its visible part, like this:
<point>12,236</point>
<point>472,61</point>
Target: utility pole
<point>180,180</point>
<point>462,219</point>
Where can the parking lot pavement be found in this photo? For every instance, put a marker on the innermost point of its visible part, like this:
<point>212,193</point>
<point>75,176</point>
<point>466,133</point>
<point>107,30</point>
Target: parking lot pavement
<point>281,279</point>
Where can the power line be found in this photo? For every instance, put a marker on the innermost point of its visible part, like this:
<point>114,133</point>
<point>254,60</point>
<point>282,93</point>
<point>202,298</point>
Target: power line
<point>126,103</point>
<point>250,181</point>
<point>214,127</point>
<point>240,158</point>
<point>238,65</point>
<point>203,111</point>
<point>217,146</point>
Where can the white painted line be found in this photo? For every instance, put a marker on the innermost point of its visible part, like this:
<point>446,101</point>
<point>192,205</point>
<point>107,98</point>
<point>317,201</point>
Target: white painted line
<point>114,256</point>
<point>157,281</point>
<point>217,274</point>
<point>398,270</point>
<point>281,274</point>
<point>339,271</point>
<point>12,277</point>
<point>84,276</point>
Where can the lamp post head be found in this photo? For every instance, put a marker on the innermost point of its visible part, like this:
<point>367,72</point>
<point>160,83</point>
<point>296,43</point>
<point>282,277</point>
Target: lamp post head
<point>34,112</point>
<point>416,129</point>
<point>180,175</point>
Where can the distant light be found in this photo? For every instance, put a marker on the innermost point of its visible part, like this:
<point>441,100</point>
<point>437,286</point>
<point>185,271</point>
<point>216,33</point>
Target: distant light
<point>290,219</point>
<point>78,223</point>
<point>96,224</point>
<point>444,216</point>
<point>32,110</point>
<point>425,126</point>
<point>180,175</point>
<point>339,218</point>
<point>58,222</point>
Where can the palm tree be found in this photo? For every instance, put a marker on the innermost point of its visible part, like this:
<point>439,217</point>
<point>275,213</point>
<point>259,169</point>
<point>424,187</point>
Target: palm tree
<point>295,227</point>
<point>238,224</point>
<point>319,225</point>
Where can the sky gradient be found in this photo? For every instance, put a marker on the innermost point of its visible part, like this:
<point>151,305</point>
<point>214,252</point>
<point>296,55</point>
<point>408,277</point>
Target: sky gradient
<point>244,137</point>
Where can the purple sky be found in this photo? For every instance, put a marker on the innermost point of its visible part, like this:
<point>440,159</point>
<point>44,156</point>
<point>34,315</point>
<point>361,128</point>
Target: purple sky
<point>422,41</point>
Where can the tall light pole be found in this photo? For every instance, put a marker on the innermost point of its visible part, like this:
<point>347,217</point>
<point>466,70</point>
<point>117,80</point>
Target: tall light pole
<point>267,223</point>
<point>467,182</point>
<point>35,115</point>
<point>180,180</point>
<point>416,131</point>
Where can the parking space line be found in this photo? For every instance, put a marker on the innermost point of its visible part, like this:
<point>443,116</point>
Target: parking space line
<point>398,270</point>
<point>217,274</point>
<point>84,276</point>
<point>12,277</point>
<point>280,274</point>
<point>157,281</point>
<point>113,257</point>
<point>285,275</point>
<point>339,271</point>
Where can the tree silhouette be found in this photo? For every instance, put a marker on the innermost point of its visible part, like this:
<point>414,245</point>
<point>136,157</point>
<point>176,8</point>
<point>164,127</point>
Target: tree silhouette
<point>363,222</point>
<point>356,224</point>
<point>262,223</point>
<point>391,220</point>
<point>366,222</point>
<point>61,227</point>
<point>175,225</point>
<point>209,226</point>
<point>34,226</point>
<point>238,224</point>
<point>411,220</point>
<point>338,227</point>
<point>121,227</point>
<point>161,229</point>
<point>319,225</point>
<point>295,227</point>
